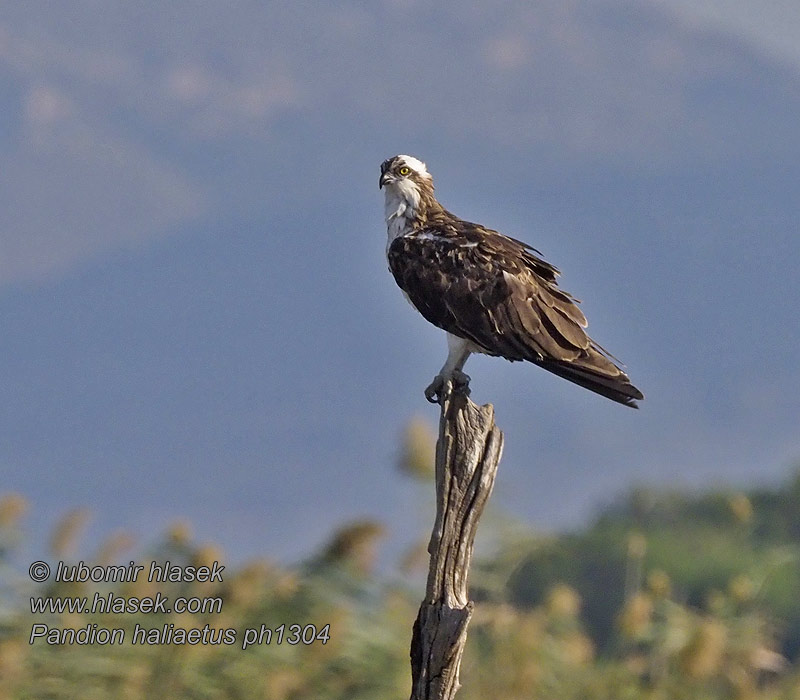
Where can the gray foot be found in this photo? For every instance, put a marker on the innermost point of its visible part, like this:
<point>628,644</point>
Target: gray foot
<point>442,385</point>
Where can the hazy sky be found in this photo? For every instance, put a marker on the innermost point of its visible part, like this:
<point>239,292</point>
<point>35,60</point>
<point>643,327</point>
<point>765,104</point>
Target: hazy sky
<point>197,317</point>
<point>770,27</point>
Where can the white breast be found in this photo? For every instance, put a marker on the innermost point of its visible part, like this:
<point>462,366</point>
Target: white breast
<point>400,207</point>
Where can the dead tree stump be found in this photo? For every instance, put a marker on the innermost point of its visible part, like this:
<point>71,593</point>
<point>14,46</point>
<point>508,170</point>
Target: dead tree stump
<point>467,455</point>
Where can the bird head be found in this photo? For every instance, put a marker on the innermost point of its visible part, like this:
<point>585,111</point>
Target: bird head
<point>404,172</point>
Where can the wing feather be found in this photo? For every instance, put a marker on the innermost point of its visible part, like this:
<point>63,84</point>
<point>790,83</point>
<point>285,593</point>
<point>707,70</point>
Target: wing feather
<point>492,290</point>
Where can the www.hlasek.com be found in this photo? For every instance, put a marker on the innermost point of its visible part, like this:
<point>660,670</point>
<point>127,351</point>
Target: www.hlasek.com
<point>109,602</point>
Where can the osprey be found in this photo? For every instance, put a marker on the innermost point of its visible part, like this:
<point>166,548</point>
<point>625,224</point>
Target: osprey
<point>492,294</point>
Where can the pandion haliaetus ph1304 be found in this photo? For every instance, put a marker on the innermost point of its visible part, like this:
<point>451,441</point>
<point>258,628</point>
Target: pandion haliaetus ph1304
<point>492,294</point>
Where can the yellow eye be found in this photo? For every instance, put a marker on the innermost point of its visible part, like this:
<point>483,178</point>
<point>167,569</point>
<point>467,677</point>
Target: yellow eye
<point>404,170</point>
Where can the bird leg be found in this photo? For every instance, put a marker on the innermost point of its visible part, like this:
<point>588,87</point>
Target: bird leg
<point>450,377</point>
<point>442,386</point>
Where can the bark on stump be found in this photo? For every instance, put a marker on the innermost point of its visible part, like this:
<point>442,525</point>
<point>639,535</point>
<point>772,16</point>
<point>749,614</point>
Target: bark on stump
<point>467,455</point>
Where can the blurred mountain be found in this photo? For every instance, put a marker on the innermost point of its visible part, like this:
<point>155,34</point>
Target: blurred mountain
<point>195,308</point>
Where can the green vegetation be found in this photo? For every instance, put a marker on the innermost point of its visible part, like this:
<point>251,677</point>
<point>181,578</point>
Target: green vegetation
<point>665,596</point>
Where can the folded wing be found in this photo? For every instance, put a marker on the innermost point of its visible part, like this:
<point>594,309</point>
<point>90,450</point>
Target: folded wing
<point>496,292</point>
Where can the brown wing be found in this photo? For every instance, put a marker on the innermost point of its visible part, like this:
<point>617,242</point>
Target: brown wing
<point>493,290</point>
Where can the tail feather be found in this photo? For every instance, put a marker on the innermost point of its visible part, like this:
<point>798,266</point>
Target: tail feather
<point>618,388</point>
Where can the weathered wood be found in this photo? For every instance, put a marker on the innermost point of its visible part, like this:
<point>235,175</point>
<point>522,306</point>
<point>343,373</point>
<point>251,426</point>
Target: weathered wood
<point>467,455</point>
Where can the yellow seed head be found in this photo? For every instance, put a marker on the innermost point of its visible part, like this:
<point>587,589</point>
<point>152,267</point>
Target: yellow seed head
<point>705,652</point>
<point>659,584</point>
<point>180,533</point>
<point>418,457</point>
<point>12,507</point>
<point>69,529</point>
<point>741,588</point>
<point>741,507</point>
<point>636,615</point>
<point>563,601</point>
<point>637,545</point>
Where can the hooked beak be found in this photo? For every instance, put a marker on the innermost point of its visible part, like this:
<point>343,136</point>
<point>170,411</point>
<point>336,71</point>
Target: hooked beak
<point>385,179</point>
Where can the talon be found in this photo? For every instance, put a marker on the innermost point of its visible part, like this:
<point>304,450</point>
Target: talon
<point>434,390</point>
<point>461,381</point>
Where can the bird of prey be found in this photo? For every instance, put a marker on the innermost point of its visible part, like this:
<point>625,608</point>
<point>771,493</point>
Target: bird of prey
<point>492,294</point>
